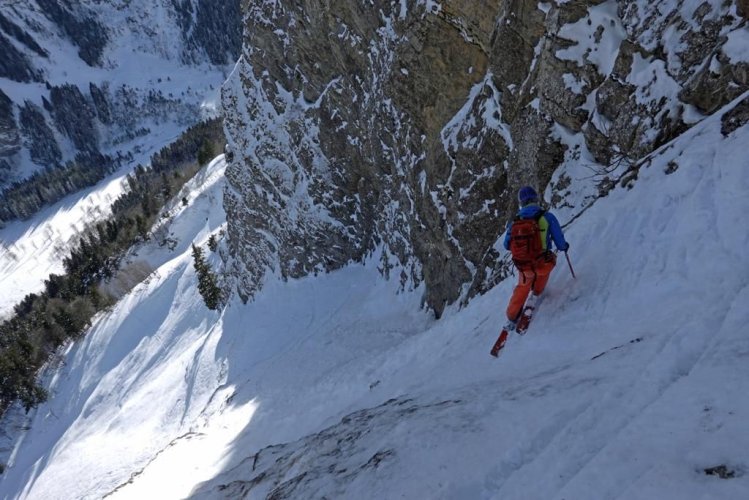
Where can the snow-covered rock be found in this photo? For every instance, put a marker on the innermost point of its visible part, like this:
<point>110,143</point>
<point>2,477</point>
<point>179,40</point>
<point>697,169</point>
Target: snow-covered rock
<point>411,124</point>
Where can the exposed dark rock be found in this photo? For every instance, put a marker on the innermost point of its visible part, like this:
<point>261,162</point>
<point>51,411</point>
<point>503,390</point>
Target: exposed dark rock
<point>721,471</point>
<point>709,91</point>
<point>735,118</point>
<point>742,6</point>
<point>377,170</point>
<point>411,130</point>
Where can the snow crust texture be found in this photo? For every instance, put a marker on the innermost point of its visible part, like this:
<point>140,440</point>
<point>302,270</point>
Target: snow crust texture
<point>409,125</point>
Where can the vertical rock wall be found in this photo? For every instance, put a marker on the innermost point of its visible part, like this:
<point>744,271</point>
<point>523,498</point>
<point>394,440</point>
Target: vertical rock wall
<point>405,127</point>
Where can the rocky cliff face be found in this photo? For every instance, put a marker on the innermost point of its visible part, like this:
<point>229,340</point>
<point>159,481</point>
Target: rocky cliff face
<point>85,76</point>
<point>402,129</point>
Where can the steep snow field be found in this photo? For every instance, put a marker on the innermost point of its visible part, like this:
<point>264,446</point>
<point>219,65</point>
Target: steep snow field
<point>630,382</point>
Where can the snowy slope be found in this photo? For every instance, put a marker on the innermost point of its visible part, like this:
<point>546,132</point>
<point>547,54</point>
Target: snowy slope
<point>631,380</point>
<point>32,249</point>
<point>101,352</point>
<point>153,71</point>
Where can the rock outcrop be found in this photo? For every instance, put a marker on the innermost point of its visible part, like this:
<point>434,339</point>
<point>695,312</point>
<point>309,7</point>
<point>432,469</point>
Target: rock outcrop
<point>403,129</point>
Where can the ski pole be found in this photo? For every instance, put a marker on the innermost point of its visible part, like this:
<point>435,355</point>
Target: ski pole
<point>570,264</point>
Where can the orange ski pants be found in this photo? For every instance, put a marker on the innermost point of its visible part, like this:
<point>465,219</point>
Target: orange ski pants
<point>535,279</point>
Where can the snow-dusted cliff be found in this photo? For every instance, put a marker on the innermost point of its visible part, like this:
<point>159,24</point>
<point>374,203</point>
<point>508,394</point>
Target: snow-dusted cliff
<point>395,133</point>
<point>86,77</point>
<point>408,125</point>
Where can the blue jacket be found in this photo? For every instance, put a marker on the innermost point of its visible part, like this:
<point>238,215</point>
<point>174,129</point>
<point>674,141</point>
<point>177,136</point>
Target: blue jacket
<point>549,225</point>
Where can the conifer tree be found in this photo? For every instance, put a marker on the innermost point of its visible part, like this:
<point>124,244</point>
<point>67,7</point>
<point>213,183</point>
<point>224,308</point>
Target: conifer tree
<point>207,283</point>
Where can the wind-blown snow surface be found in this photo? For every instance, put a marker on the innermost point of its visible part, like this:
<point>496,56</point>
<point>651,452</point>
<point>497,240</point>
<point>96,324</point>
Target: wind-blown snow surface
<point>630,382</point>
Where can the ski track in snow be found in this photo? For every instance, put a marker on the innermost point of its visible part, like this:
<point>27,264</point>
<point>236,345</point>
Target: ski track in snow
<point>338,386</point>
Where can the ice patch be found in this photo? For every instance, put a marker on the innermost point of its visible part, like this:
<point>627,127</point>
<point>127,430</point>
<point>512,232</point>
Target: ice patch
<point>736,46</point>
<point>572,83</point>
<point>598,37</point>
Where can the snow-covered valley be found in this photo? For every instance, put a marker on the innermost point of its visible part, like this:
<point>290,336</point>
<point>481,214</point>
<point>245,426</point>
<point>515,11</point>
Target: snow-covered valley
<point>631,381</point>
<point>33,249</point>
<point>86,87</point>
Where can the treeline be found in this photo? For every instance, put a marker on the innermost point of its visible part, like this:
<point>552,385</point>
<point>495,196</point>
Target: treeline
<point>207,282</point>
<point>42,322</point>
<point>25,198</point>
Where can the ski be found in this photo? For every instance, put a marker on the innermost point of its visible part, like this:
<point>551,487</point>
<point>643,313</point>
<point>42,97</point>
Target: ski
<point>525,318</point>
<point>500,343</point>
<point>520,328</point>
<point>524,321</point>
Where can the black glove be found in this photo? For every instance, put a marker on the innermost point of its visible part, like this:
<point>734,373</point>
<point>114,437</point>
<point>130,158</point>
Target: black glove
<point>567,247</point>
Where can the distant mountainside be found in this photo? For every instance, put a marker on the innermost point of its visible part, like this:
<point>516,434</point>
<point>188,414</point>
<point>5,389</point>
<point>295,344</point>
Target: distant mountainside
<point>411,124</point>
<point>83,81</point>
